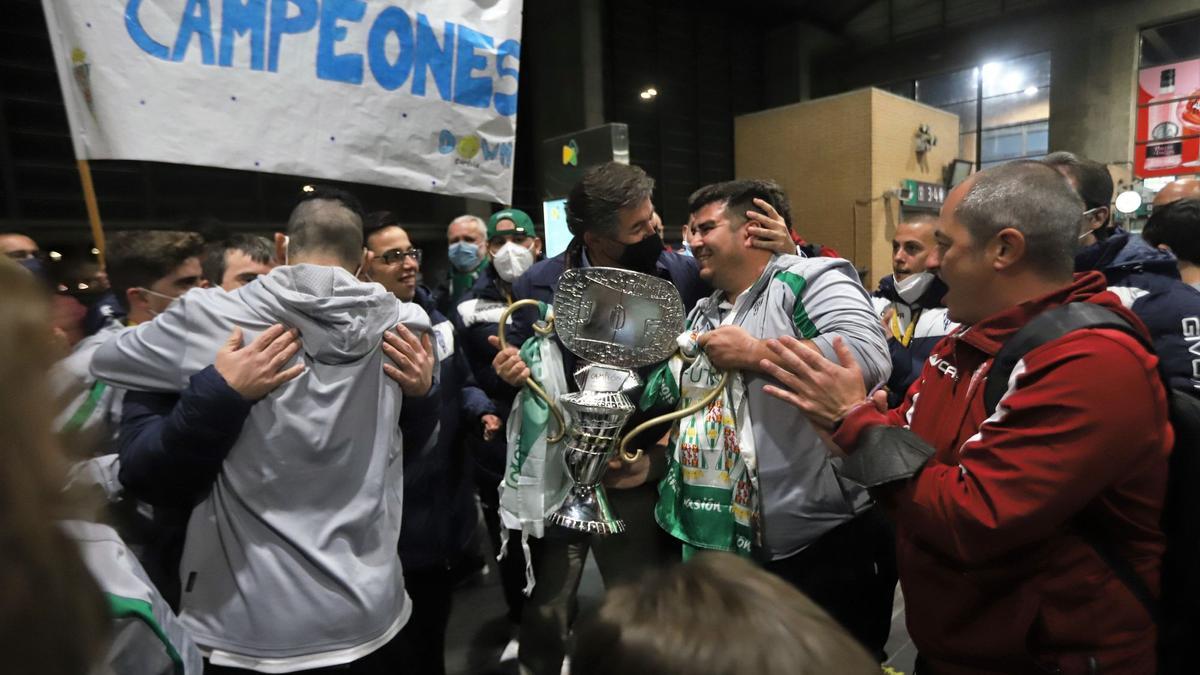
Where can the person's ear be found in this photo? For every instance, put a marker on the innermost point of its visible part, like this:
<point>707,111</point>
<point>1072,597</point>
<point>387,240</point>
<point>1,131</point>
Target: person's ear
<point>1006,249</point>
<point>136,299</point>
<point>280,247</point>
<point>537,247</point>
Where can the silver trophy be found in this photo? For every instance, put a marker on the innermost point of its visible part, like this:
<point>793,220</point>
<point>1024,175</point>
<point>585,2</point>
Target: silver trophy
<point>614,321</point>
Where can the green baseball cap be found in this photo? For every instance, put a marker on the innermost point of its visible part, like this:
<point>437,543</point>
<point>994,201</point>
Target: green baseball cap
<point>523,224</point>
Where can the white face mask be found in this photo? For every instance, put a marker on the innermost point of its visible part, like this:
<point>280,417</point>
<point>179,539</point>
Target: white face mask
<point>511,261</point>
<point>169,298</point>
<point>913,286</point>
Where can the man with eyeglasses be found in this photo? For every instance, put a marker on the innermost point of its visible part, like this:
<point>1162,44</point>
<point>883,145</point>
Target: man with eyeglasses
<point>439,502</point>
<point>1144,277</point>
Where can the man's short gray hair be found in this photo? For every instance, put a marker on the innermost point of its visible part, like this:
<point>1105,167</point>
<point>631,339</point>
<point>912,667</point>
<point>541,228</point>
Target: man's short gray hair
<point>474,220</point>
<point>328,227</point>
<point>1033,199</point>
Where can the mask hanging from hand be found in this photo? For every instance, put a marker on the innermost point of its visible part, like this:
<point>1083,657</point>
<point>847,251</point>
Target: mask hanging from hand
<point>511,261</point>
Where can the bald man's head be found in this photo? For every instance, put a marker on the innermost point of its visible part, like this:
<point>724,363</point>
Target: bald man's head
<point>1184,188</point>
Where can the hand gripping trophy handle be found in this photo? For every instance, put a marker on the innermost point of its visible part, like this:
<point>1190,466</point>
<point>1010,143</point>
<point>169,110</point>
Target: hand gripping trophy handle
<point>631,457</point>
<point>614,321</point>
<point>532,382</point>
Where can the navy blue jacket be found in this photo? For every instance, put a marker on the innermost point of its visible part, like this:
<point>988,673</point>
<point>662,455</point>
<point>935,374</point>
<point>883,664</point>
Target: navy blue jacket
<point>907,362</point>
<point>104,310</point>
<point>172,445</point>
<point>489,456</point>
<point>439,499</point>
<point>1147,281</point>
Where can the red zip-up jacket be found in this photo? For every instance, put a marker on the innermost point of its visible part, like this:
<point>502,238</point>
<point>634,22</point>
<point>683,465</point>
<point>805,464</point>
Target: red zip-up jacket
<point>996,577</point>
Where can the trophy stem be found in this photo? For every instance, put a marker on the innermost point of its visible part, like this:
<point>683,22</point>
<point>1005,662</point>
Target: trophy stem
<point>586,509</point>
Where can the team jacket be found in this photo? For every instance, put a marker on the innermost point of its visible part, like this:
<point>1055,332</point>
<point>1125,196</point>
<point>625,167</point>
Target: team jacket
<point>1147,282</point>
<point>995,576</point>
<point>932,324</point>
<point>478,317</point>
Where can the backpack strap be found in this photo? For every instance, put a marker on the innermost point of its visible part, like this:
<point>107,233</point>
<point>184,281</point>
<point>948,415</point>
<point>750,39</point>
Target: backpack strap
<point>1048,327</point>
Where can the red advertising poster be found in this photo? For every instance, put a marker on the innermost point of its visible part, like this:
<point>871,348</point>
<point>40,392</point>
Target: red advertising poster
<point>1168,120</point>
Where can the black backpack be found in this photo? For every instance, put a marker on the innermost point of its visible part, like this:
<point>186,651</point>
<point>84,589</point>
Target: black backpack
<point>1177,611</point>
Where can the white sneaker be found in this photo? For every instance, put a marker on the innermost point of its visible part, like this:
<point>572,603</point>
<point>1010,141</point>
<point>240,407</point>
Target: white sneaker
<point>510,651</point>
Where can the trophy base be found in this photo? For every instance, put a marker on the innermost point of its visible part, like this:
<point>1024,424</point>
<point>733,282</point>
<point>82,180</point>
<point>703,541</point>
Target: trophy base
<point>586,509</point>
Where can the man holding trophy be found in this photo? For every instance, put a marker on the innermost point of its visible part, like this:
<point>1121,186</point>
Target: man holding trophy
<point>610,213</point>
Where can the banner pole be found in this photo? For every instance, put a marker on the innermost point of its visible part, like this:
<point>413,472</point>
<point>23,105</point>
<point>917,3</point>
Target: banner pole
<point>93,208</point>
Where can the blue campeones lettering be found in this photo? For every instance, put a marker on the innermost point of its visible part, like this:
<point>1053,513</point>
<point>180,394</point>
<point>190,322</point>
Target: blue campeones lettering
<point>467,67</point>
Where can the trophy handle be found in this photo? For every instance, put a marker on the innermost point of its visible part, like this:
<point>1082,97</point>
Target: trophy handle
<point>708,398</point>
<point>532,383</point>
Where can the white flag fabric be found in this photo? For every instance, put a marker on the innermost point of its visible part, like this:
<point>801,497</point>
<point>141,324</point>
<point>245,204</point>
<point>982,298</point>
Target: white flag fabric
<point>416,94</point>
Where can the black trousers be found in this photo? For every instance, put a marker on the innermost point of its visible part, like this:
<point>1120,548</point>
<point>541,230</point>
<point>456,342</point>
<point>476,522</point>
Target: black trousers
<point>423,638</point>
<point>512,565</point>
<point>851,573</point>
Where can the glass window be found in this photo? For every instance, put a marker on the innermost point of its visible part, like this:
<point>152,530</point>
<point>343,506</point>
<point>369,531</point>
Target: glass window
<point>1028,105</point>
<point>1016,75</point>
<point>1015,103</point>
<point>1022,141</point>
<point>966,114</point>
<point>1170,43</point>
<point>942,90</point>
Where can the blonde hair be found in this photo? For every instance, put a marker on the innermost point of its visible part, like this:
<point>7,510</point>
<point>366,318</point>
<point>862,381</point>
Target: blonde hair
<point>717,614</point>
<point>53,618</point>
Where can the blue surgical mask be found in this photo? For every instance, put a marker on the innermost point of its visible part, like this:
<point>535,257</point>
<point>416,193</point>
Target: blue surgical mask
<point>464,255</point>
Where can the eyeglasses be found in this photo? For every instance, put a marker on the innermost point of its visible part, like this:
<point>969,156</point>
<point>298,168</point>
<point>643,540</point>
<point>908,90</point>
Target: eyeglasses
<point>396,255</point>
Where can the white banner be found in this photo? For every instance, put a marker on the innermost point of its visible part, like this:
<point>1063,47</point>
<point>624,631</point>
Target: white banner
<point>417,94</point>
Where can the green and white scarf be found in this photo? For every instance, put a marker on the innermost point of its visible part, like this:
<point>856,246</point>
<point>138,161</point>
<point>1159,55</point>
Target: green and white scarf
<point>535,479</point>
<point>709,498</point>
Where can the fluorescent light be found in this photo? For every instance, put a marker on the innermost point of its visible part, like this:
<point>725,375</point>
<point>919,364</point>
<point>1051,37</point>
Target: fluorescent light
<point>309,188</point>
<point>652,91</point>
<point>95,251</point>
<point>1031,90</point>
<point>55,256</point>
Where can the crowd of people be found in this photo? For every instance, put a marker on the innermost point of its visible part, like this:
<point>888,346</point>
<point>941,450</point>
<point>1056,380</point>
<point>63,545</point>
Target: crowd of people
<point>272,455</point>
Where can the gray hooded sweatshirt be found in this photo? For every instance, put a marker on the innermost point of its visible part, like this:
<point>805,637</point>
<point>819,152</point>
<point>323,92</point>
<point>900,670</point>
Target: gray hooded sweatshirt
<point>290,563</point>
